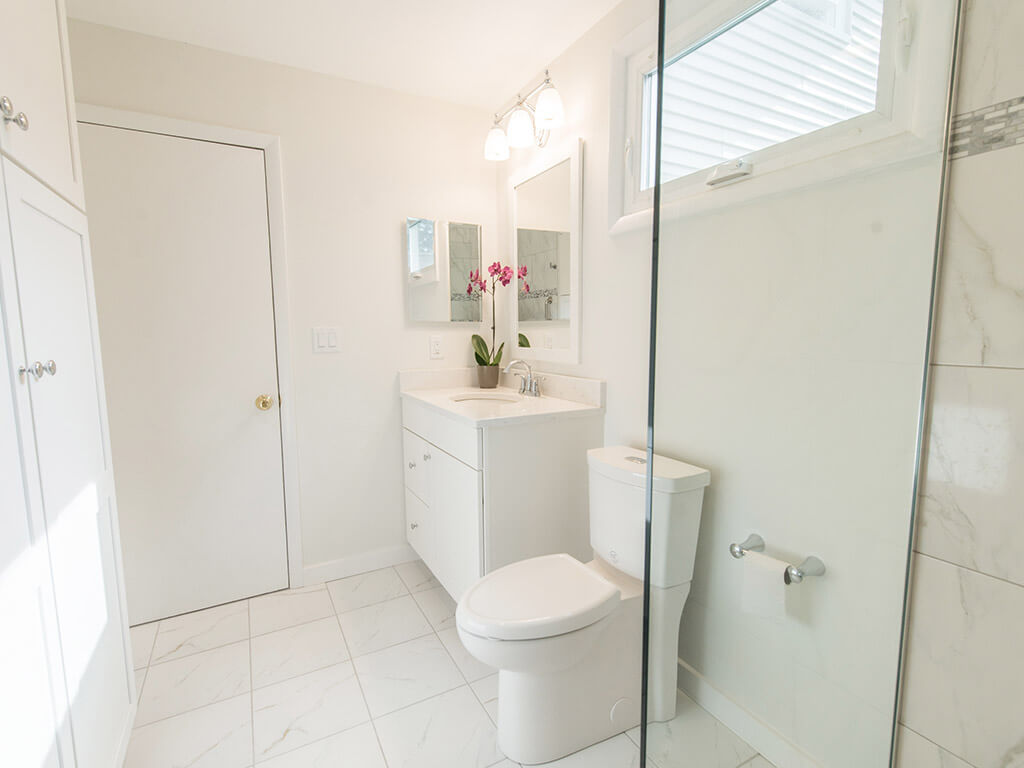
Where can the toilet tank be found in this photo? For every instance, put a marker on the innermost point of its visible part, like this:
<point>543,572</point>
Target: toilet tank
<point>617,484</point>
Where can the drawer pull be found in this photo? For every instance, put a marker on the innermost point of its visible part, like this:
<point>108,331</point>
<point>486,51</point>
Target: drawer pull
<point>412,465</point>
<point>426,457</point>
<point>414,526</point>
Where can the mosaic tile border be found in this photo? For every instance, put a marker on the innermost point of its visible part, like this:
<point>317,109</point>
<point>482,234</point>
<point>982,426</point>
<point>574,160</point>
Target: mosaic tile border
<point>996,126</point>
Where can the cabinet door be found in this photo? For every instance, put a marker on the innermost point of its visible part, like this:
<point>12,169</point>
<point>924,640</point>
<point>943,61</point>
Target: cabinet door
<point>36,77</point>
<point>34,704</point>
<point>68,414</point>
<point>455,507</point>
<point>414,454</point>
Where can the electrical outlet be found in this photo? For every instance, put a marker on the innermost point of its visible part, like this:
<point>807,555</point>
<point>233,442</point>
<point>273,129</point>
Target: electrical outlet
<point>435,348</point>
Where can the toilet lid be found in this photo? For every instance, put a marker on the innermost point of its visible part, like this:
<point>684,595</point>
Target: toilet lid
<point>535,598</point>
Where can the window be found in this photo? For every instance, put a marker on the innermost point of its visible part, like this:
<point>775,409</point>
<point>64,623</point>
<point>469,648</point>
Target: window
<point>790,69</point>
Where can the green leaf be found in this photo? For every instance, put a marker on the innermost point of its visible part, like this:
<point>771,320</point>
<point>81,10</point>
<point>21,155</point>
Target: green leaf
<point>523,341</point>
<point>497,356</point>
<point>480,350</point>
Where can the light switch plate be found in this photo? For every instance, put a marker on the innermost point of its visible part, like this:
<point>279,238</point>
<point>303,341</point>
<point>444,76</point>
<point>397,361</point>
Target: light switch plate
<point>435,348</point>
<point>325,340</point>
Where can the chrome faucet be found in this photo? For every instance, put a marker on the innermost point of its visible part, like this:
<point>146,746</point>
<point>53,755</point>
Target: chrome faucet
<point>528,385</point>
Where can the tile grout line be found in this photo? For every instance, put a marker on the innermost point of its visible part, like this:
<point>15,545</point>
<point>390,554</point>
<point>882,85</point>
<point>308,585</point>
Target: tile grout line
<point>252,687</point>
<point>969,568</point>
<point>937,745</point>
<point>355,672</point>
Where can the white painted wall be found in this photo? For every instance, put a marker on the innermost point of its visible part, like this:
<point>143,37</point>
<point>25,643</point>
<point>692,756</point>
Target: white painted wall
<point>357,160</point>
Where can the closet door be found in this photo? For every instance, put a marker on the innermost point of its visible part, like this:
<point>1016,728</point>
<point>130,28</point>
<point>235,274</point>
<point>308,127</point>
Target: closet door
<point>54,279</point>
<point>33,703</point>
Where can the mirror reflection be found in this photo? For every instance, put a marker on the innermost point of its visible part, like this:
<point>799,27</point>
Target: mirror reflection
<point>420,249</point>
<point>542,245</point>
<point>463,258</point>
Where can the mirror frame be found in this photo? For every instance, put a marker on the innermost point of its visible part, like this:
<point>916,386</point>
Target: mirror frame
<point>574,154</point>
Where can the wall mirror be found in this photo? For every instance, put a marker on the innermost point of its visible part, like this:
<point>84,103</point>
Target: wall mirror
<point>546,224</point>
<point>439,257</point>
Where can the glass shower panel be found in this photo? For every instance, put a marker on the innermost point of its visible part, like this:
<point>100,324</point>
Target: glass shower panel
<point>792,325</point>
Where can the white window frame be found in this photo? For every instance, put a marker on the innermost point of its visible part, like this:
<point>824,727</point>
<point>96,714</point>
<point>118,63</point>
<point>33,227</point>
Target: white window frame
<point>897,129</point>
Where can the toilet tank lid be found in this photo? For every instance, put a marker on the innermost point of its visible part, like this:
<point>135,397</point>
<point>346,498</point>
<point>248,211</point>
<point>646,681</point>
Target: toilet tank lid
<point>629,465</point>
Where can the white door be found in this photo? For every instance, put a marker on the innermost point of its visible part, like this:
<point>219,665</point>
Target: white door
<point>181,255</point>
<point>36,80</point>
<point>34,703</point>
<point>51,260</point>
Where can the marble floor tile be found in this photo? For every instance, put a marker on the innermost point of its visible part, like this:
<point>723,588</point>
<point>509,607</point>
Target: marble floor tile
<point>355,748</point>
<point>215,736</point>
<point>406,673</point>
<point>366,589</point>
<point>278,610</point>
<point>694,739</point>
<point>294,651</point>
<point>142,637</point>
<point>616,752</point>
<point>200,631</point>
<point>301,710</point>
<point>378,626</point>
<point>417,576</point>
<point>470,666</point>
<point>438,606</point>
<point>194,681</point>
<point>447,731</point>
<point>486,689</point>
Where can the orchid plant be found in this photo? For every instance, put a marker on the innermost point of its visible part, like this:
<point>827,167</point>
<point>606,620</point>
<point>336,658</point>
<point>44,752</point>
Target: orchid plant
<point>498,274</point>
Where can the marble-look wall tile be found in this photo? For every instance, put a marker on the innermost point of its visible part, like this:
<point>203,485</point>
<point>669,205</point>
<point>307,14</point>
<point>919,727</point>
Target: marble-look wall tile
<point>964,678</point>
<point>980,317</point>
<point>974,471</point>
<point>915,751</point>
<point>992,61</point>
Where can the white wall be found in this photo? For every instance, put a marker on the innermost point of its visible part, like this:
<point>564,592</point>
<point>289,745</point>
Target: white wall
<point>615,269</point>
<point>356,161</point>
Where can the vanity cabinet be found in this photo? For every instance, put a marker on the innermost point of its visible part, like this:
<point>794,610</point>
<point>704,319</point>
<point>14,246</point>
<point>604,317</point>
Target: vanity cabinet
<point>35,80</point>
<point>481,496</point>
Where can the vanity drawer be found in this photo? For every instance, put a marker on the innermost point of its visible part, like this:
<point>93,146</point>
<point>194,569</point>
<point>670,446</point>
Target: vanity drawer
<point>448,434</point>
<point>415,454</point>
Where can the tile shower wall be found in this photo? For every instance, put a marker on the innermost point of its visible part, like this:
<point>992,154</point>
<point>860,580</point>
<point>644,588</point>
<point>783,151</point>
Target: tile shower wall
<point>964,676</point>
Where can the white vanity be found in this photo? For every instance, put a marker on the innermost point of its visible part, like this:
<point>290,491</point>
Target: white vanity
<point>491,476</point>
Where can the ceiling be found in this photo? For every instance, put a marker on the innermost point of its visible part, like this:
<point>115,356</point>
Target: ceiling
<point>476,52</point>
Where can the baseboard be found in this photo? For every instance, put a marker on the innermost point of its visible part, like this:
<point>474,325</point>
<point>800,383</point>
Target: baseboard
<point>775,747</point>
<point>353,564</point>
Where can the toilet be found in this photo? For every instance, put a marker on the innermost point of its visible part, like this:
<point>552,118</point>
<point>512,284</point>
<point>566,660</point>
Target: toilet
<point>565,636</point>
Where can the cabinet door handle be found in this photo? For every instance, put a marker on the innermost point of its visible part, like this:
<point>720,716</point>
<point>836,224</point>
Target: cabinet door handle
<point>7,108</point>
<point>36,369</point>
<point>412,465</point>
<point>414,526</point>
<point>426,457</point>
<point>51,367</point>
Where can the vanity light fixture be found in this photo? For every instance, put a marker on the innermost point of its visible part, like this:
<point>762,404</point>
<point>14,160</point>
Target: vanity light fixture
<point>528,124</point>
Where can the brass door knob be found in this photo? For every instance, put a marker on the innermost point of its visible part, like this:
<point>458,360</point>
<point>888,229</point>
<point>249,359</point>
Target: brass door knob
<point>263,402</point>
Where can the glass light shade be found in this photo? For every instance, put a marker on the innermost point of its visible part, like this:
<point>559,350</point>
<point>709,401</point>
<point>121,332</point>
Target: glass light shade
<point>520,129</point>
<point>549,109</point>
<point>496,146</point>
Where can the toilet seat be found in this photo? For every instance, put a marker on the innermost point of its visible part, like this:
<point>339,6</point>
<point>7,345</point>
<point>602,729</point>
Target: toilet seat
<point>536,598</point>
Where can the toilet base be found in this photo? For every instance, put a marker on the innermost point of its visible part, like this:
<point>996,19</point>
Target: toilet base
<point>543,717</point>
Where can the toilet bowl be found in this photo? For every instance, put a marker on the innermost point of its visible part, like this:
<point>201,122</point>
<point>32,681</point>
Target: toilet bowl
<point>566,636</point>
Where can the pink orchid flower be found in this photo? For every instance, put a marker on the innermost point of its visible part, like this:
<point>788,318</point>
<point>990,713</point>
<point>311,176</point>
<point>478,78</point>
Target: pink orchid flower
<point>522,271</point>
<point>494,269</point>
<point>526,287</point>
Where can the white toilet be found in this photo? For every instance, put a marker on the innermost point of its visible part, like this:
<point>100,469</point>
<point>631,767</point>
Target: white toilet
<point>565,636</point>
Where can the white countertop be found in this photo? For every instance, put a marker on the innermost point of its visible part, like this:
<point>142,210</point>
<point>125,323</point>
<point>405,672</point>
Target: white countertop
<point>493,407</point>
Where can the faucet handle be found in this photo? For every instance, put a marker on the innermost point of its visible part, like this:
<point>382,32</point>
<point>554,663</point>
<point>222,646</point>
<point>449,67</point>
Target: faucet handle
<point>535,385</point>
<point>523,378</point>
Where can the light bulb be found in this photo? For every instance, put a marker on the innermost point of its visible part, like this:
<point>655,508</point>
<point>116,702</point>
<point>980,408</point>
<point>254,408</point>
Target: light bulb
<point>549,109</point>
<point>520,129</point>
<point>496,146</point>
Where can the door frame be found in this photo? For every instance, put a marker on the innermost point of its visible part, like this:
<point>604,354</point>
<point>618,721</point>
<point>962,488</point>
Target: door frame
<point>271,148</point>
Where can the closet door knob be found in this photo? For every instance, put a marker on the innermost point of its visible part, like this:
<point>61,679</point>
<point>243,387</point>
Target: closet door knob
<point>263,402</point>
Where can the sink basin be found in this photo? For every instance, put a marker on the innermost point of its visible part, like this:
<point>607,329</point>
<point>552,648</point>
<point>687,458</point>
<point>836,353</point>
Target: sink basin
<point>485,397</point>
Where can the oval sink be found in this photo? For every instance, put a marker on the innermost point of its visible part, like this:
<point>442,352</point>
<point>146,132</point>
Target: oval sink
<point>484,397</point>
